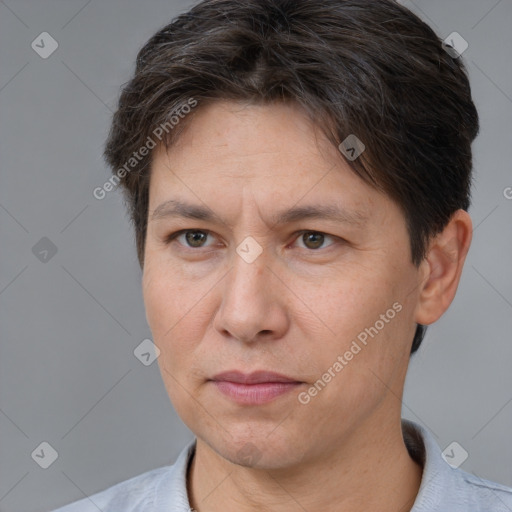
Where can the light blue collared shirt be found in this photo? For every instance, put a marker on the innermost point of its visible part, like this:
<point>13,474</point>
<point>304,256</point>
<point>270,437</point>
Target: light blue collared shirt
<point>443,487</point>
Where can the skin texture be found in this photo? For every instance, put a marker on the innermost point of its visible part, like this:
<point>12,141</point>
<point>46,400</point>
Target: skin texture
<point>293,310</point>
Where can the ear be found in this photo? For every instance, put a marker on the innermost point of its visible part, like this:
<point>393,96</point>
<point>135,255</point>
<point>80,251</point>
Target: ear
<point>441,269</point>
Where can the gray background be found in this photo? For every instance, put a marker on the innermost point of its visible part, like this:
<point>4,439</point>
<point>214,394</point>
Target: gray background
<point>68,326</point>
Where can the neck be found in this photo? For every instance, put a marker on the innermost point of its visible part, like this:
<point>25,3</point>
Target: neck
<point>369,469</point>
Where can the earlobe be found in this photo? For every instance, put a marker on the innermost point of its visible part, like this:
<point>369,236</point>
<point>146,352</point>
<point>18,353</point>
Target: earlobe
<point>441,270</point>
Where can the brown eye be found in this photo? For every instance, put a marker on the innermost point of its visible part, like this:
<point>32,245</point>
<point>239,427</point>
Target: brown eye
<point>313,239</point>
<point>189,238</point>
<point>195,238</point>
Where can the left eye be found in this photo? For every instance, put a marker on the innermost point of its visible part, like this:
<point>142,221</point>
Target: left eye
<point>313,239</point>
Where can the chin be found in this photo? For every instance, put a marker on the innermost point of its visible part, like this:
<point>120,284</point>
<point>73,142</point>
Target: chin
<point>259,450</point>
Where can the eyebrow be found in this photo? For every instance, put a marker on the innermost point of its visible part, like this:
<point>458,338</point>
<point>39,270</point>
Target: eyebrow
<point>175,208</point>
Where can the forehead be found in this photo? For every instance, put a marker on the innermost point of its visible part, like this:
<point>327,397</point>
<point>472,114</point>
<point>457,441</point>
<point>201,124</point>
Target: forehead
<point>272,154</point>
<point>248,142</point>
<point>235,130</point>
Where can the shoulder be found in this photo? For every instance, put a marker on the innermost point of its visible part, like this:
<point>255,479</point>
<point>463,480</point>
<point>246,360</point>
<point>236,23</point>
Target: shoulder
<point>131,495</point>
<point>481,495</point>
<point>445,486</point>
<point>148,492</point>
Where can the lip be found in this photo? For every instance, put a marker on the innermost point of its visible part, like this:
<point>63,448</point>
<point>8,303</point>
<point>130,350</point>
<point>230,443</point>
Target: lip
<point>255,388</point>
<point>256,377</point>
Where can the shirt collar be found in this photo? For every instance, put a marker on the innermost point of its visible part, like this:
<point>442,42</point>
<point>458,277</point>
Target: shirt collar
<point>439,479</point>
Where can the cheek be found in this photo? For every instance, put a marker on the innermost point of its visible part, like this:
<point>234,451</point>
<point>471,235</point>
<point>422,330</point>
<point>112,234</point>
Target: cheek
<point>178,313</point>
<point>166,295</point>
<point>173,312</point>
<point>362,313</point>
<point>345,301</point>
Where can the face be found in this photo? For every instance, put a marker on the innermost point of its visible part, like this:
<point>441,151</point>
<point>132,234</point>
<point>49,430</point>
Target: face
<point>326,301</point>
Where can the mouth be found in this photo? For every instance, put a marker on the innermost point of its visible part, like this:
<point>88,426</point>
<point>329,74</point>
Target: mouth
<point>255,388</point>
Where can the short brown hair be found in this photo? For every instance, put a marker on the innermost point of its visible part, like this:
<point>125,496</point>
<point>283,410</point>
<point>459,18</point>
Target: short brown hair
<point>366,67</point>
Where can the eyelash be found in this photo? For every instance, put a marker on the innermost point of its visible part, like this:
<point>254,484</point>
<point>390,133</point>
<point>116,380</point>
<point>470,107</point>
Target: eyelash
<point>169,238</point>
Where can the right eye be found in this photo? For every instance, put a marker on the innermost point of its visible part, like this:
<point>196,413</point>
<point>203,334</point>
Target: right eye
<point>189,238</point>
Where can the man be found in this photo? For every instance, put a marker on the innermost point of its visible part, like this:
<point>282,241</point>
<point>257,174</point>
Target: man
<point>298,175</point>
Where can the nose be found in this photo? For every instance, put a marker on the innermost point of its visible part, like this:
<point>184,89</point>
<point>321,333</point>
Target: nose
<point>252,304</point>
